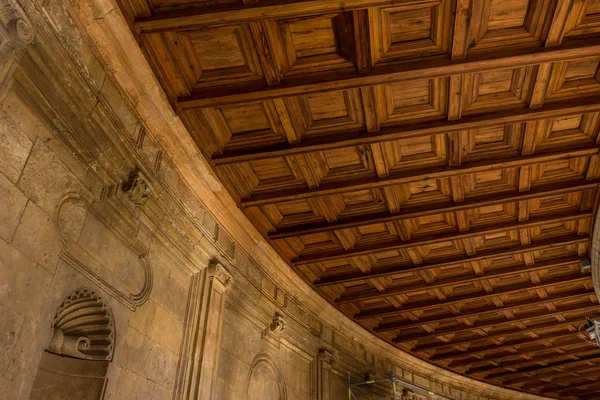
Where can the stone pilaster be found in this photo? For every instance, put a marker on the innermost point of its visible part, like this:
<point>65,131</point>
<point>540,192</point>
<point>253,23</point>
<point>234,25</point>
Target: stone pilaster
<point>203,331</point>
<point>324,366</point>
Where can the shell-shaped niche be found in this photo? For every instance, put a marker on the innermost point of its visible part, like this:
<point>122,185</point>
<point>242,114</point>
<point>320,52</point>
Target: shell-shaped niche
<point>83,327</point>
<point>265,381</point>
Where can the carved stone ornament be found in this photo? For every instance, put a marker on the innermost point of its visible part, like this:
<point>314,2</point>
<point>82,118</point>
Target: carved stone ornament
<point>136,189</point>
<point>326,356</point>
<point>277,325</point>
<point>16,22</point>
<point>83,328</point>
<point>223,276</point>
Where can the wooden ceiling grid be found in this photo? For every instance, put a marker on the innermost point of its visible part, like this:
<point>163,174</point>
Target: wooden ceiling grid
<point>430,167</point>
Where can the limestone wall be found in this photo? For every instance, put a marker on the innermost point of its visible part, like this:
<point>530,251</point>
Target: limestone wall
<point>101,188</point>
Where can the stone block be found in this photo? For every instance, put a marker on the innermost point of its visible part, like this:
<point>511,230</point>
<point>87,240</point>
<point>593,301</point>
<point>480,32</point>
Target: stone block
<point>36,236</point>
<point>14,148</point>
<point>45,179</point>
<point>132,386</point>
<point>12,204</point>
<point>10,329</point>
<point>166,329</point>
<point>24,283</point>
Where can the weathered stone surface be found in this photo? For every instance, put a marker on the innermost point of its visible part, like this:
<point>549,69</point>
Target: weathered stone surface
<point>13,204</point>
<point>37,237</point>
<point>24,282</point>
<point>14,148</point>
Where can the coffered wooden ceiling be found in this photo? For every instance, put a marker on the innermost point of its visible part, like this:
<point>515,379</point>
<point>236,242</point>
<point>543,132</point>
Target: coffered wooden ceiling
<point>429,167</point>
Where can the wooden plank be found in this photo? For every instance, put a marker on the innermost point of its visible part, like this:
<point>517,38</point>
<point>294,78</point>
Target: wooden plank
<point>548,244</point>
<point>422,306</point>
<point>414,176</point>
<point>399,245</point>
<point>481,311</point>
<point>497,323</point>
<point>504,272</point>
<point>537,381</point>
<point>387,74</point>
<point>435,209</point>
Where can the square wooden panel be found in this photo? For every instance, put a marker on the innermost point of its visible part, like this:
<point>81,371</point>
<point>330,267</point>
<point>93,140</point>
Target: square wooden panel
<point>441,250</point>
<point>410,31</point>
<point>570,79</point>
<point>501,240</point>
<point>236,127</point>
<point>418,193</point>
<point>559,171</point>
<point>499,89</point>
<point>492,215</point>
<point>553,205</point>
<point>504,23</point>
<point>193,59</point>
<point>430,225</point>
<point>499,142</point>
<point>572,131</point>
<point>586,15</point>
<point>410,154</point>
<point>413,101</point>
<point>496,181</point>
<point>327,112</point>
<point>311,44</point>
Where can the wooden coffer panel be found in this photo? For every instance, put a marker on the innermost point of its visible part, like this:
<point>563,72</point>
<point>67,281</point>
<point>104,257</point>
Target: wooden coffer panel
<point>430,167</point>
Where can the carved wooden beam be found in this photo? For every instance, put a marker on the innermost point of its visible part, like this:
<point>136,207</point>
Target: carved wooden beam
<point>435,209</point>
<point>399,245</point>
<point>484,255</point>
<point>497,273</point>
<point>571,294</point>
<point>415,176</point>
<point>386,74</point>
<point>458,300</point>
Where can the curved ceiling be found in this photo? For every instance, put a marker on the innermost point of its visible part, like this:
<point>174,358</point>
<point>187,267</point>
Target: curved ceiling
<point>430,167</point>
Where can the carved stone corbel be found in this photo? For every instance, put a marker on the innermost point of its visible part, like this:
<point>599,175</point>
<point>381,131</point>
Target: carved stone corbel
<point>135,191</point>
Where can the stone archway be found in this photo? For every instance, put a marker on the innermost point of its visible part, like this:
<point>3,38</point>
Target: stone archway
<point>265,381</point>
<point>75,363</point>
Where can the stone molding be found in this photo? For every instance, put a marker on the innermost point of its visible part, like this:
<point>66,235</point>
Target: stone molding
<point>269,363</point>
<point>78,258</point>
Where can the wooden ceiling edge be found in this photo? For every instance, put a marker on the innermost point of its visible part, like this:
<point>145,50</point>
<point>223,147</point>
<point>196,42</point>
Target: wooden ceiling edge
<point>476,121</point>
<point>575,49</point>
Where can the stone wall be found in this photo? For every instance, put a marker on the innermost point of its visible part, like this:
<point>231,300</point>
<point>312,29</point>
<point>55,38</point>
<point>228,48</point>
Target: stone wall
<point>102,189</point>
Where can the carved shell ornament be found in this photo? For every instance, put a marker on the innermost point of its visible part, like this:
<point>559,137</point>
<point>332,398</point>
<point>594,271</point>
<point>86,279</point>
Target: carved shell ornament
<point>83,328</point>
